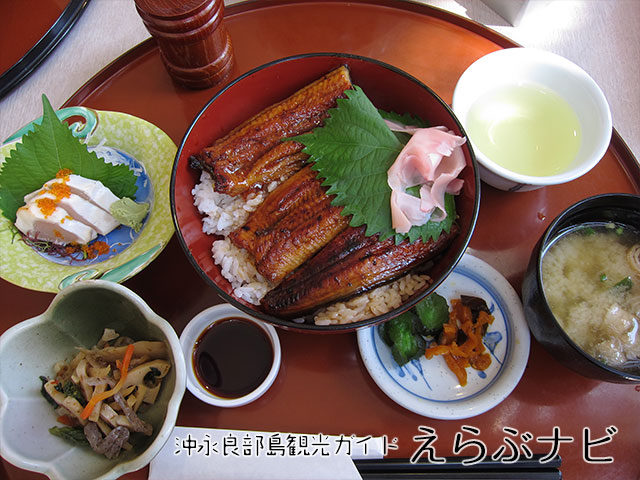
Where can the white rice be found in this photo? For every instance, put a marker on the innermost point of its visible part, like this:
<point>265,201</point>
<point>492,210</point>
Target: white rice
<point>223,214</point>
<point>237,267</point>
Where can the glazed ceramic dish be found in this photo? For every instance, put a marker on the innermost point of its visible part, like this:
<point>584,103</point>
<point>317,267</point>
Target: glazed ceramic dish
<point>428,387</point>
<point>145,149</point>
<point>77,317</point>
<point>387,87</point>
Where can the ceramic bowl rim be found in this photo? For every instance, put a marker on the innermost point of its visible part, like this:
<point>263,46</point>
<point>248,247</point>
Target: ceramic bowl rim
<point>549,236</point>
<point>306,327</point>
<point>173,403</point>
<point>199,324</point>
<point>559,62</point>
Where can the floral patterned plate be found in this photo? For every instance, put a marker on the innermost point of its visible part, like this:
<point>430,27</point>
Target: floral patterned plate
<point>118,138</point>
<point>428,387</point>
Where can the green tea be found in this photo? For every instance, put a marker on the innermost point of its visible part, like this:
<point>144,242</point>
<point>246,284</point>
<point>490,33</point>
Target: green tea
<point>527,129</point>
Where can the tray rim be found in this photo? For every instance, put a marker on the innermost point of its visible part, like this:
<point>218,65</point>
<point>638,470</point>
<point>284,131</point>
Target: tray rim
<point>15,74</point>
<point>617,146</point>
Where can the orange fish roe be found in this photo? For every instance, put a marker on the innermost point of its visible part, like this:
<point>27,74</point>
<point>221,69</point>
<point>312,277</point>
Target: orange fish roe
<point>46,205</point>
<point>63,172</point>
<point>60,190</point>
<point>101,247</point>
<point>95,249</point>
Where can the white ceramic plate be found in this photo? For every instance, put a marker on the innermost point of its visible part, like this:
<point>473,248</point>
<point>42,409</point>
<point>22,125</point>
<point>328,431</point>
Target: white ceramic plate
<point>190,336</point>
<point>428,387</point>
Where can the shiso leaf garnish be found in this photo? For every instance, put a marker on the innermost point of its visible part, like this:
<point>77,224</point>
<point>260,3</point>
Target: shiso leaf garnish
<point>47,149</point>
<point>352,153</point>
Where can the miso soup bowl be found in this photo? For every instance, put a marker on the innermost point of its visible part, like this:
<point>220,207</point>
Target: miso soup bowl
<point>513,66</point>
<point>615,207</point>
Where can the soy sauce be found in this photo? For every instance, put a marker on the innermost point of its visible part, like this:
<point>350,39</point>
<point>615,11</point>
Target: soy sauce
<point>232,357</point>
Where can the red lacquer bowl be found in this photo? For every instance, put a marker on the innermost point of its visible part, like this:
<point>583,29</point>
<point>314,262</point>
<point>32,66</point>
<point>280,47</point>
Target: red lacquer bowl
<point>386,86</point>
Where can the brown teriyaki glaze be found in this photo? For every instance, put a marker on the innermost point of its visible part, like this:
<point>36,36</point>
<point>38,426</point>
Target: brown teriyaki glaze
<point>232,357</point>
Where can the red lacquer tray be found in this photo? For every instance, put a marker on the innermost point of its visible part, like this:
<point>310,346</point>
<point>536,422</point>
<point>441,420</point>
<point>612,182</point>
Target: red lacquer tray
<point>323,385</point>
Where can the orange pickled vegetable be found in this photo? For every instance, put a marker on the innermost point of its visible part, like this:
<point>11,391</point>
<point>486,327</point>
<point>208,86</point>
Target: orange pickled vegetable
<point>472,351</point>
<point>109,393</point>
<point>456,368</point>
<point>481,362</point>
<point>436,350</point>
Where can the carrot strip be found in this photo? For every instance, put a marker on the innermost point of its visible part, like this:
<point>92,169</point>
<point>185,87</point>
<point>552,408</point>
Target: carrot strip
<point>66,420</point>
<point>471,352</point>
<point>437,350</point>
<point>109,393</point>
<point>456,368</point>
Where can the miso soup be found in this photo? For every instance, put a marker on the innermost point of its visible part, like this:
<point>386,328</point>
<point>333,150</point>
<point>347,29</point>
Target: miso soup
<point>591,279</point>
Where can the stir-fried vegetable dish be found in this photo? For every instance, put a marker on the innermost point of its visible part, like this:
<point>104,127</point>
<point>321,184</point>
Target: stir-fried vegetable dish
<point>98,394</point>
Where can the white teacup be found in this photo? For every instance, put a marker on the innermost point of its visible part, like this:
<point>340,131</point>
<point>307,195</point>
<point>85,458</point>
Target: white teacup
<point>517,66</point>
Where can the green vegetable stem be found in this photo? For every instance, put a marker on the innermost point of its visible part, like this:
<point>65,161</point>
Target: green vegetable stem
<point>71,434</point>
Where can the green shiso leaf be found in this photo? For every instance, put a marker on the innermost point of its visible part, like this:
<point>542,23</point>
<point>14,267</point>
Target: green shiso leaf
<point>47,149</point>
<point>352,153</point>
<point>403,118</point>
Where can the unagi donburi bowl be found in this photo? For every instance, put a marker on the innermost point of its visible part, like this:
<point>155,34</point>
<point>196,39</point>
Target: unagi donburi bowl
<point>387,87</point>
<point>617,208</point>
<point>76,317</point>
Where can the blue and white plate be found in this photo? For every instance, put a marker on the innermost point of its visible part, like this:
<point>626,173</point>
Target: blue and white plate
<point>428,387</point>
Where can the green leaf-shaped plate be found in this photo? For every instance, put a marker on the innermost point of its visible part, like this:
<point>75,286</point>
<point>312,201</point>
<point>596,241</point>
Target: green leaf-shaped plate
<point>137,139</point>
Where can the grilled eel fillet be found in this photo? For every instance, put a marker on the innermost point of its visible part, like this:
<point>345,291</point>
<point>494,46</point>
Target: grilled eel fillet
<point>295,221</point>
<point>350,264</point>
<point>279,163</point>
<point>231,159</point>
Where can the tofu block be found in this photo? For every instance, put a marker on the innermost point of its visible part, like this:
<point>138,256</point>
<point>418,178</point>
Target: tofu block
<point>84,211</point>
<point>91,190</point>
<point>58,227</point>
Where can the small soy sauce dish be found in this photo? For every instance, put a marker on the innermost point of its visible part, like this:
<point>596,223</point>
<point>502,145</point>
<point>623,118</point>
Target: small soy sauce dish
<point>232,358</point>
